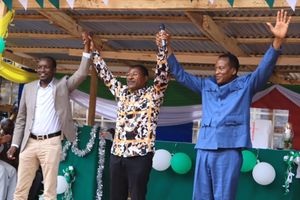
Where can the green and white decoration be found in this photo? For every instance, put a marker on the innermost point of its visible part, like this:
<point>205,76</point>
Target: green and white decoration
<point>56,3</point>
<point>69,173</point>
<point>292,159</point>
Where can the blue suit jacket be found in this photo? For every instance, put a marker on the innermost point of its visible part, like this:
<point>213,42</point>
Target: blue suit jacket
<point>226,109</point>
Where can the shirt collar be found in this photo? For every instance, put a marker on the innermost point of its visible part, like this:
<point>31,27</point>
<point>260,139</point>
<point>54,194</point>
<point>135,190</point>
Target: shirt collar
<point>49,85</point>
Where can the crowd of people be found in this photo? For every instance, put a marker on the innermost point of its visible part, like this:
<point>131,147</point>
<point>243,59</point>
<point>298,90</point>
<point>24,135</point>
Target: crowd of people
<point>44,118</point>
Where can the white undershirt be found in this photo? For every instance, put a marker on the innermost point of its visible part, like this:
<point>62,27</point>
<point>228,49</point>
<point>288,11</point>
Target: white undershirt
<point>46,120</point>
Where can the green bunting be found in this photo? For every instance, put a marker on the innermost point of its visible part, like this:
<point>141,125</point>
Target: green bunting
<point>40,2</point>
<point>8,3</point>
<point>270,3</point>
<point>55,3</point>
<point>231,2</point>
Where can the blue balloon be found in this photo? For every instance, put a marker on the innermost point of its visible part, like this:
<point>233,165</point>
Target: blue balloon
<point>2,45</point>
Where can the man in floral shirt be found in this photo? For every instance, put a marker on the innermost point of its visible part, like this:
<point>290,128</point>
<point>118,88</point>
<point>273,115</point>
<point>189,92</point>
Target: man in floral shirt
<point>137,114</point>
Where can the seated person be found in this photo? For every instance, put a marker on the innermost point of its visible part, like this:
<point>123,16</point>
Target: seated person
<point>108,134</point>
<point>8,174</point>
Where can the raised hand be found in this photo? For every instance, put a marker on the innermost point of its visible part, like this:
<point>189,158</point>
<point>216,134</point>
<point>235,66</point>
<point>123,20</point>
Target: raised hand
<point>281,27</point>
<point>86,40</point>
<point>163,35</point>
<point>282,24</point>
<point>96,43</point>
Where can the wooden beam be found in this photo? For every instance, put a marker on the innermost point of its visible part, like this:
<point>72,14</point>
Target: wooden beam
<point>207,26</point>
<point>266,40</point>
<point>93,97</point>
<point>6,108</point>
<point>64,21</point>
<point>30,17</point>
<point>41,36</point>
<point>132,18</point>
<point>112,18</point>
<point>156,19</point>
<point>156,5</point>
<point>30,63</point>
<point>41,50</point>
<point>106,37</point>
<point>68,24</point>
<point>250,19</point>
<point>196,58</point>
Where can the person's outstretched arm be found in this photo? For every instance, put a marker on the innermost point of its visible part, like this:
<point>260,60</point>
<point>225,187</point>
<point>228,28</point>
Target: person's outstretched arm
<point>186,79</point>
<point>103,72</point>
<point>161,72</point>
<point>265,69</point>
<point>81,73</point>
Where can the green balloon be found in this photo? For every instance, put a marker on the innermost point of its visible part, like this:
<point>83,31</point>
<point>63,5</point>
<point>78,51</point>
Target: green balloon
<point>249,161</point>
<point>181,163</point>
<point>2,45</point>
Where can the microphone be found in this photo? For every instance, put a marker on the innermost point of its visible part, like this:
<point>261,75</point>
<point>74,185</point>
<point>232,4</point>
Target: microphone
<point>163,42</point>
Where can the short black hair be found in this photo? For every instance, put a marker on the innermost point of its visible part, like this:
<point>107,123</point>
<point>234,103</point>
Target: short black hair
<point>51,59</point>
<point>7,125</point>
<point>142,68</point>
<point>233,60</point>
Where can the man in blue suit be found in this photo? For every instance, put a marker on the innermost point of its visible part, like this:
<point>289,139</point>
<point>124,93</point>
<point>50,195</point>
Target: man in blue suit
<point>225,125</point>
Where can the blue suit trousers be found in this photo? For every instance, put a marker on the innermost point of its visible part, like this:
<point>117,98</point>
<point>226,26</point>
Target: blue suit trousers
<point>216,174</point>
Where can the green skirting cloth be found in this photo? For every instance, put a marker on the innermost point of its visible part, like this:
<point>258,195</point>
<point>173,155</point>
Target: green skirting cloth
<point>168,185</point>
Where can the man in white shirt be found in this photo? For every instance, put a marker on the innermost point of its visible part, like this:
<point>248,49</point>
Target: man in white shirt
<point>44,116</point>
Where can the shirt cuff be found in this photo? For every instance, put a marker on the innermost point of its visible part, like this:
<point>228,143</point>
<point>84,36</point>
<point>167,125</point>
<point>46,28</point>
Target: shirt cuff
<point>87,55</point>
<point>15,145</point>
<point>278,50</point>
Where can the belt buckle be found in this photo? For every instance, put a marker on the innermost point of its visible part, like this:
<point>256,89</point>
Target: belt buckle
<point>40,137</point>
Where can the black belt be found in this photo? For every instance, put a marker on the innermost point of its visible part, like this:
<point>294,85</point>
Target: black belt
<point>44,137</point>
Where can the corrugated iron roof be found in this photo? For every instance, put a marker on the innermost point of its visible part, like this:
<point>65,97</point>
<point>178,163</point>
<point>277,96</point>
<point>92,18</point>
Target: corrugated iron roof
<point>50,43</point>
<point>141,28</point>
<point>34,26</point>
<point>187,36</point>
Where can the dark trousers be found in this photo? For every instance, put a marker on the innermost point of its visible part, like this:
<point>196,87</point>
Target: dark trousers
<point>37,185</point>
<point>129,175</point>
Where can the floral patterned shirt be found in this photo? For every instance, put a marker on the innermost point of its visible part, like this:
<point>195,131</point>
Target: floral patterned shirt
<point>138,111</point>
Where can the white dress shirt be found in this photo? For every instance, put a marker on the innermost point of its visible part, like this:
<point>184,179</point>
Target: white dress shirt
<point>45,118</point>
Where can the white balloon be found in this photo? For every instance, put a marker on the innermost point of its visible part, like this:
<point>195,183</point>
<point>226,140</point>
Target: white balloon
<point>161,160</point>
<point>62,185</point>
<point>263,173</point>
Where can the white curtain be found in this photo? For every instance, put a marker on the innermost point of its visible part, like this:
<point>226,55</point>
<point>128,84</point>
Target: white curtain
<point>168,115</point>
